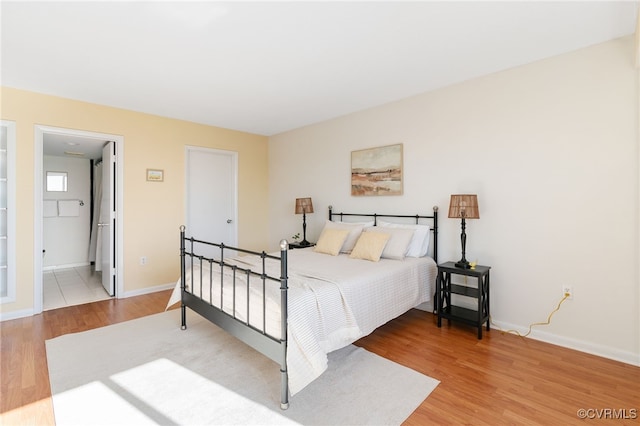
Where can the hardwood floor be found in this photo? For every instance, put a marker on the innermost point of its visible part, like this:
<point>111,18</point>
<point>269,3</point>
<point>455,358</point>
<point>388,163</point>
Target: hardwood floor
<point>502,379</point>
<point>25,393</point>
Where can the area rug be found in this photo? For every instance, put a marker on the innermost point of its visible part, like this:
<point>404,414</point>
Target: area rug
<point>148,372</point>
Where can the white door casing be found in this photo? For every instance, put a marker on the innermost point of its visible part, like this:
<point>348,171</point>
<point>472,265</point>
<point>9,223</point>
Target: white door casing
<point>211,196</point>
<point>39,132</point>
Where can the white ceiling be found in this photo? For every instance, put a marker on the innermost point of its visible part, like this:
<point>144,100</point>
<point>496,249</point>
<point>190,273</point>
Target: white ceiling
<point>63,145</point>
<point>268,67</point>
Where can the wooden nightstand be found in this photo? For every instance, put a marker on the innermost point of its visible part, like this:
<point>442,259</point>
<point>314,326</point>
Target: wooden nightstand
<point>444,290</point>
<point>298,246</point>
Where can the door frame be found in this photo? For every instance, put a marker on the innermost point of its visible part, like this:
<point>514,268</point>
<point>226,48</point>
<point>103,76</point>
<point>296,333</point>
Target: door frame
<point>39,132</point>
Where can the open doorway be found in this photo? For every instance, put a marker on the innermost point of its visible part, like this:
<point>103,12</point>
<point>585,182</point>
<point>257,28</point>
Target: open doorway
<point>67,207</point>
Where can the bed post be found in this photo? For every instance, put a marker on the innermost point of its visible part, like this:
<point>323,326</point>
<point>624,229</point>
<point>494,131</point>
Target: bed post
<point>435,233</point>
<point>284,286</point>
<point>183,308</point>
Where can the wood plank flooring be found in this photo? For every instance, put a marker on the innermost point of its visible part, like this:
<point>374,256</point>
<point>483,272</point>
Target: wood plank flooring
<point>502,379</point>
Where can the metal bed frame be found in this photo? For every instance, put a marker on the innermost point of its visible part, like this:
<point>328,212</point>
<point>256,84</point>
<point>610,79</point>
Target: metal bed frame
<point>271,346</point>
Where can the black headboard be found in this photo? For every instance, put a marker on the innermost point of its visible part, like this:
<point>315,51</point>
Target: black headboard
<point>417,217</point>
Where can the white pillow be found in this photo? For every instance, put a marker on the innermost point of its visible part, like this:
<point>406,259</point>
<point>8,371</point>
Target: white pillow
<point>396,247</point>
<point>355,229</point>
<point>419,245</point>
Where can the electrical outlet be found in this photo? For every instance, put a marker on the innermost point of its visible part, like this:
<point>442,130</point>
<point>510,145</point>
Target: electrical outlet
<point>143,260</point>
<point>567,291</point>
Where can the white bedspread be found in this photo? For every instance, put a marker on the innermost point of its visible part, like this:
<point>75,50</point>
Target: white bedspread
<point>333,301</point>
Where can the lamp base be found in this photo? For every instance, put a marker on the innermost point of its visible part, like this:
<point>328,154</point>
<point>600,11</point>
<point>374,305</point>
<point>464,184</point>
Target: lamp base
<point>463,264</point>
<point>305,243</point>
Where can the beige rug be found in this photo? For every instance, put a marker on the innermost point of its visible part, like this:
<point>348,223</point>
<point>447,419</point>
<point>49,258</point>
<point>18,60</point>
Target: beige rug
<point>148,371</point>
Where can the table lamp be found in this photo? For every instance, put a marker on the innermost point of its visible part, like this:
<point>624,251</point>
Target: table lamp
<point>464,206</point>
<point>304,206</point>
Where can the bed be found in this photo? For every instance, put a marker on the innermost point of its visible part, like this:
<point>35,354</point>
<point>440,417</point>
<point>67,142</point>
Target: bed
<point>296,306</point>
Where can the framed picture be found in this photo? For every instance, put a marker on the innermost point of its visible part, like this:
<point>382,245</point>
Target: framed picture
<point>155,175</point>
<point>377,171</point>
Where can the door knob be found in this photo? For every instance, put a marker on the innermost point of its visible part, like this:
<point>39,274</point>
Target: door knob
<point>229,220</point>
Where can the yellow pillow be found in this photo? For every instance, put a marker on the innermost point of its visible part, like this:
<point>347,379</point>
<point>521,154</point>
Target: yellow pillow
<point>330,241</point>
<point>370,246</point>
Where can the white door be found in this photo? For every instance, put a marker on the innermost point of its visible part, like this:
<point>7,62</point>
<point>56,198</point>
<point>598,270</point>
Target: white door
<point>108,218</point>
<point>211,179</point>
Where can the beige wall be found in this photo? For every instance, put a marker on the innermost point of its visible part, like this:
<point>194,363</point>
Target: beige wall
<point>152,212</point>
<point>551,149</point>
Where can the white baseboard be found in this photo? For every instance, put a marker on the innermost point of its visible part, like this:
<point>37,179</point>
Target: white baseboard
<point>147,290</point>
<point>579,345</point>
<point>67,266</point>
<point>7,316</point>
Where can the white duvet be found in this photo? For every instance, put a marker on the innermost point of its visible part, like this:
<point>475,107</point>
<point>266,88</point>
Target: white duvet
<point>332,301</point>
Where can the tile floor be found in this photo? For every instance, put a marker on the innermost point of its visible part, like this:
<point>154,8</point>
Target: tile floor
<point>72,286</point>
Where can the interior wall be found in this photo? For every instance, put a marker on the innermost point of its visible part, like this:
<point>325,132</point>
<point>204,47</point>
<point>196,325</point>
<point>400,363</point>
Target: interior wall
<point>66,238</point>
<point>153,211</point>
<point>551,150</point>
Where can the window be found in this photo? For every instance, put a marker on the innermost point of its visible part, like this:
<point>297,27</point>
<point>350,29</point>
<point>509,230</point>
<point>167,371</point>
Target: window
<point>56,181</point>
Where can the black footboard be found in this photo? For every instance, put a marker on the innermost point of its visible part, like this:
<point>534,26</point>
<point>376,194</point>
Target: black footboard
<point>203,283</point>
